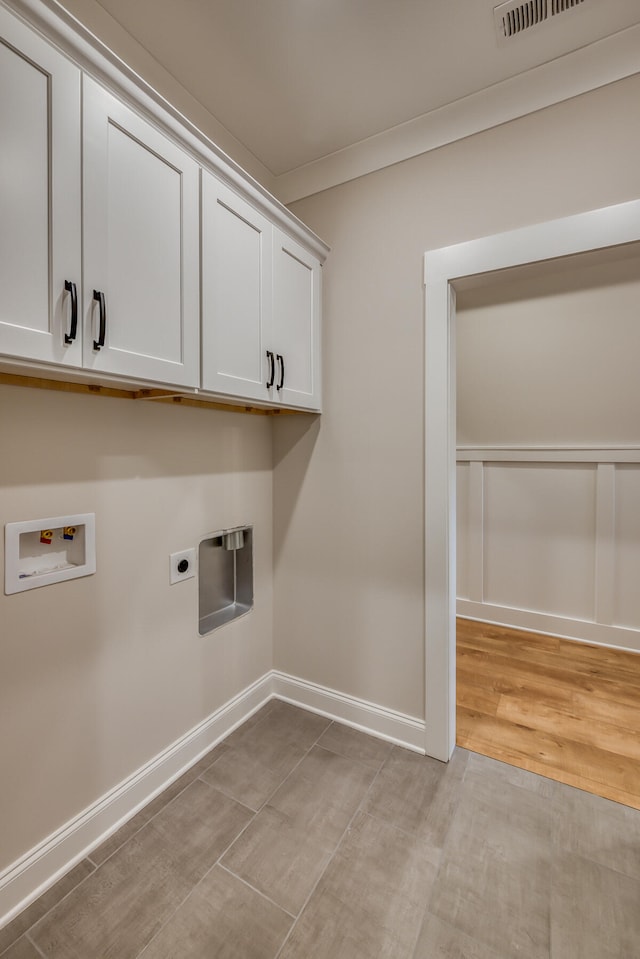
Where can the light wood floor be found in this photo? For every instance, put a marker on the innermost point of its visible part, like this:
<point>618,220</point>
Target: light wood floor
<point>566,710</point>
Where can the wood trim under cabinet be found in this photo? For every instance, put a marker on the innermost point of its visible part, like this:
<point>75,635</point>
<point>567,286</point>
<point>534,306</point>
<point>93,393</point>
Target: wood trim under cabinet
<point>157,395</point>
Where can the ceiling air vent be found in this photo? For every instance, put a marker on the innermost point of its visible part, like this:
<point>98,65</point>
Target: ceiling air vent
<point>516,16</point>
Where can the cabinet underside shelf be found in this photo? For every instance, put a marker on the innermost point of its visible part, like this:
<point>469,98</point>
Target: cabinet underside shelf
<point>157,395</point>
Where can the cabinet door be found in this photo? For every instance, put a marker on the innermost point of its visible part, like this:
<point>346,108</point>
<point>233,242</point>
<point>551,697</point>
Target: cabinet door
<point>296,324</point>
<point>236,294</point>
<point>140,246</point>
<point>40,230</point>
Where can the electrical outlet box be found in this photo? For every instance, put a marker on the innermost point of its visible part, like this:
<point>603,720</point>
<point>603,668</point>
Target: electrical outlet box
<point>182,566</point>
<point>44,551</point>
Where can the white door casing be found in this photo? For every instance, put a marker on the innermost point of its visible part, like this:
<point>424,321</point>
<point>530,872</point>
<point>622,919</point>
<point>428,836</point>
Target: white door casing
<point>596,229</point>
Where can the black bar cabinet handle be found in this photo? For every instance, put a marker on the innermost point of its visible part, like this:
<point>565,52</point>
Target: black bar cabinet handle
<point>272,370</point>
<point>280,359</point>
<point>73,332</point>
<point>97,295</point>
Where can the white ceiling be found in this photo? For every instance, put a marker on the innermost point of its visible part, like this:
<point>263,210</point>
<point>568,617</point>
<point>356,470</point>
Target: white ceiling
<point>296,80</point>
<point>306,94</point>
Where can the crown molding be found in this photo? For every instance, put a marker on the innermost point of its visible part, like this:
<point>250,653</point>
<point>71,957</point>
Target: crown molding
<point>90,53</point>
<point>88,19</point>
<point>581,71</point>
<point>595,65</point>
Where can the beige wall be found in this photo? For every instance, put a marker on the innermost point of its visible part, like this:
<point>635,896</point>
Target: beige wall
<point>101,674</point>
<point>348,493</point>
<point>548,355</point>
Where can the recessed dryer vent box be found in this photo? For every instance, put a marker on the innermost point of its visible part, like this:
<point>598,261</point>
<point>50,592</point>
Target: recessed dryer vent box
<point>225,577</point>
<point>43,551</point>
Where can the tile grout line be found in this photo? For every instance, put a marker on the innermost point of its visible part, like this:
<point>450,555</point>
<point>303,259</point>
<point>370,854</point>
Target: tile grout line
<point>259,892</point>
<point>317,743</point>
<point>97,866</point>
<point>51,908</point>
<point>374,813</point>
<point>151,818</point>
<point>35,945</point>
<point>207,872</point>
<point>27,933</point>
<point>330,860</point>
<point>427,906</point>
<point>170,916</point>
<point>218,861</point>
<point>293,769</point>
<point>447,841</point>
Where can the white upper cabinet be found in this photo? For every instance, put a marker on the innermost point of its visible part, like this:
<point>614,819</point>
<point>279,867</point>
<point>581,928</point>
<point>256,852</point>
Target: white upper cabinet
<point>236,294</point>
<point>296,324</point>
<point>108,212</point>
<point>40,228</point>
<point>141,234</point>
<point>260,305</point>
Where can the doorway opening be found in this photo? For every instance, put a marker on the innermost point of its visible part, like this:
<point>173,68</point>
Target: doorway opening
<point>445,271</point>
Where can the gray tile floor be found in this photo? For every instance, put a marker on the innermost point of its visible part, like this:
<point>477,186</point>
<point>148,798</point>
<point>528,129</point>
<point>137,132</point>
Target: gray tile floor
<point>299,838</point>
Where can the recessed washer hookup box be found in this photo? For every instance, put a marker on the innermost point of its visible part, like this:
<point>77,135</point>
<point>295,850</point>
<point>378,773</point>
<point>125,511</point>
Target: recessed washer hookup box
<point>43,551</point>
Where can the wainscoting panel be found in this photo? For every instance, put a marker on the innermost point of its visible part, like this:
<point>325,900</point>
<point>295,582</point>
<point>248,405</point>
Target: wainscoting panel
<point>550,540</point>
<point>463,531</point>
<point>627,538</point>
<point>539,537</point>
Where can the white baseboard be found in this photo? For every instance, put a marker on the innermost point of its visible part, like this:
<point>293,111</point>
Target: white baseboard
<point>378,721</point>
<point>615,637</point>
<point>26,879</point>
